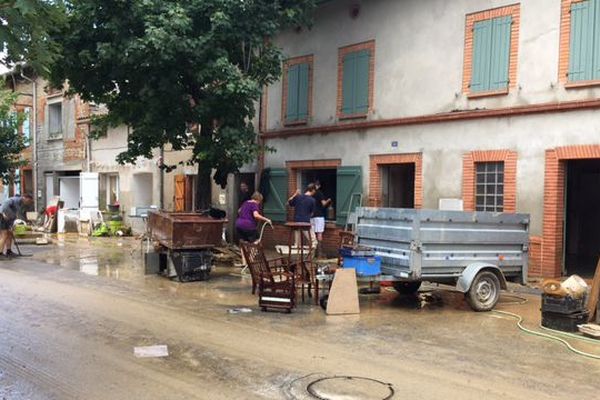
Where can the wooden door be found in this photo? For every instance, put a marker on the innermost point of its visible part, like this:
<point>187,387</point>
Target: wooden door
<point>180,185</point>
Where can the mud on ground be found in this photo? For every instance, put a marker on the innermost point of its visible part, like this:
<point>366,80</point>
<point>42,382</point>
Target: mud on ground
<point>73,312</point>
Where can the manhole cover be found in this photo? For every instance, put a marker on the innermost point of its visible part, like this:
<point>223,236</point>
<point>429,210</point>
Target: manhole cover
<point>350,388</point>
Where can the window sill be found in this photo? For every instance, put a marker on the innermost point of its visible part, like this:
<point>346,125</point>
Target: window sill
<point>581,84</point>
<point>295,123</point>
<point>477,95</point>
<point>55,137</point>
<point>343,117</point>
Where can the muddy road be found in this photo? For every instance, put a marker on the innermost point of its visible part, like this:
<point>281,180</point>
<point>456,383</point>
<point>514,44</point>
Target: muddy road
<point>71,315</point>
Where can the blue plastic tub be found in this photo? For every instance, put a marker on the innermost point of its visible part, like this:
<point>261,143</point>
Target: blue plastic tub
<point>364,266</point>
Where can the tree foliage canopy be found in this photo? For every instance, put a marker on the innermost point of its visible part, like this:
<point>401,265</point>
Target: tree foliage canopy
<point>162,65</point>
<point>11,142</point>
<point>25,29</point>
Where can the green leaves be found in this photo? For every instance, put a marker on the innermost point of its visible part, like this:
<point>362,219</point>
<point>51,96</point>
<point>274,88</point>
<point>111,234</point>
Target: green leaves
<point>163,65</point>
<point>26,29</point>
<point>11,142</point>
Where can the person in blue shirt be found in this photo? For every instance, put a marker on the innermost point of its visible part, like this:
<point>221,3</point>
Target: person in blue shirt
<point>304,209</point>
<point>9,211</point>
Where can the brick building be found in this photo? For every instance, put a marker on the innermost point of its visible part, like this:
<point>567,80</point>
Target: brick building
<point>489,102</point>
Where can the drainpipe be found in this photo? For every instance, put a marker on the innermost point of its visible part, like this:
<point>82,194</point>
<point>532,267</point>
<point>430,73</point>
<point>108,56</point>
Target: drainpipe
<point>34,140</point>
<point>162,177</point>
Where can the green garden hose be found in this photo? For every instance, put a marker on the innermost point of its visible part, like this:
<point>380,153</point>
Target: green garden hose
<point>547,336</point>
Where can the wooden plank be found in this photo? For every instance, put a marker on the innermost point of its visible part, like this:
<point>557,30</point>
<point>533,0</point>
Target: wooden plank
<point>343,296</point>
<point>594,293</point>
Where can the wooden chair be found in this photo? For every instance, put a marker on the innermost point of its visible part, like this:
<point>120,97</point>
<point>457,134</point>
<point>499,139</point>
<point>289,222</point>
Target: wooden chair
<point>276,284</point>
<point>256,259</point>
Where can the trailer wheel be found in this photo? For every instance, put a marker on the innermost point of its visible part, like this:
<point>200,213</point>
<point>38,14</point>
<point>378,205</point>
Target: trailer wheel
<point>484,292</point>
<point>407,287</point>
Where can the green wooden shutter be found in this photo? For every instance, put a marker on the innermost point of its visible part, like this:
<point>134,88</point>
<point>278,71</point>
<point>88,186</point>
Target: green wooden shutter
<point>501,33</point>
<point>596,37</point>
<point>349,74</point>
<point>303,91</point>
<point>581,41</point>
<point>482,44</point>
<point>361,82</point>
<point>275,207</point>
<point>292,93</point>
<point>349,181</point>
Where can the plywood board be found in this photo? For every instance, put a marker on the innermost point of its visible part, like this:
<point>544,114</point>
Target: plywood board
<point>594,293</point>
<point>343,296</point>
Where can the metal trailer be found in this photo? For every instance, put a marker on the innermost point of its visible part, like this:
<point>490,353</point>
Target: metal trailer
<point>475,251</point>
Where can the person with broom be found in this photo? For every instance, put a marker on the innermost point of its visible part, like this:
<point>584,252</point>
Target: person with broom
<point>9,211</point>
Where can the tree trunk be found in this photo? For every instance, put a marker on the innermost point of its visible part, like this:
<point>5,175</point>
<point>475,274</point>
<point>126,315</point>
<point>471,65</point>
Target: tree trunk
<point>203,188</point>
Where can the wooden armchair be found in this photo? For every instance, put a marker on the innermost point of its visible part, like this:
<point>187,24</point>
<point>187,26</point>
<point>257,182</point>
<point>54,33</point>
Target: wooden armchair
<point>276,284</point>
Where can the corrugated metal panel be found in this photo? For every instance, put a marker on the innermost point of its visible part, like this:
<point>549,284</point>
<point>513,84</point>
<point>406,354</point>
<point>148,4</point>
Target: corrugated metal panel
<point>440,244</point>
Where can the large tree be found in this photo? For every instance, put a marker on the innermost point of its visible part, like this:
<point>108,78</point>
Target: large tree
<point>161,66</point>
<point>25,32</point>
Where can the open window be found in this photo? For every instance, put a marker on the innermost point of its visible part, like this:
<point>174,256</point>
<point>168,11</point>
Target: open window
<point>55,130</point>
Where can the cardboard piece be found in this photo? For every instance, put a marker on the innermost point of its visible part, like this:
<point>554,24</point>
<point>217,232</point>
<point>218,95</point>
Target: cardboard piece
<point>343,296</point>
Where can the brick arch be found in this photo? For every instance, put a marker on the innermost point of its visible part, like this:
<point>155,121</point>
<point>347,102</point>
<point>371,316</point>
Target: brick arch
<point>378,160</point>
<point>554,203</point>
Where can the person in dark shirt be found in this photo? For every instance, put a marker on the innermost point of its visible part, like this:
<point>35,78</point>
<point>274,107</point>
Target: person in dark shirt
<point>244,193</point>
<point>10,210</point>
<point>318,219</point>
<point>304,209</point>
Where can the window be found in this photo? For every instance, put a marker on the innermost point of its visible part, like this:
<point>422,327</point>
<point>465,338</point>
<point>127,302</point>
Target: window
<point>26,129</point>
<point>584,45</point>
<point>489,184</point>
<point>355,83</point>
<point>491,54</point>
<point>55,120</point>
<point>297,89</point>
<point>112,194</point>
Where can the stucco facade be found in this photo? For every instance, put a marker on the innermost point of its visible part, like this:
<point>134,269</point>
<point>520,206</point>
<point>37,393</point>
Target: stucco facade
<point>421,104</point>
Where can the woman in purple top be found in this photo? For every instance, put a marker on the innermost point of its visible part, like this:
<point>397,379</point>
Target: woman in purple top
<point>248,217</point>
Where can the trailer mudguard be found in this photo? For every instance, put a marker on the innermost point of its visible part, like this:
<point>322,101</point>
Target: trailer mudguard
<point>466,279</point>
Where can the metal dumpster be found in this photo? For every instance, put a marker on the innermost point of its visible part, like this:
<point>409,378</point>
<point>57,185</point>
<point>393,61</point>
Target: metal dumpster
<point>186,241</point>
<point>476,251</point>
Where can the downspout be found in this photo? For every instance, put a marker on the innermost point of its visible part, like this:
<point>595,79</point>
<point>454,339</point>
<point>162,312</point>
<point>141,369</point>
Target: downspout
<point>34,141</point>
<point>88,146</point>
<point>162,177</point>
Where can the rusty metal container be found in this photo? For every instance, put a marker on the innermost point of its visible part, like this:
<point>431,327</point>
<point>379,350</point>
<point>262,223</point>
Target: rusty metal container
<point>185,231</point>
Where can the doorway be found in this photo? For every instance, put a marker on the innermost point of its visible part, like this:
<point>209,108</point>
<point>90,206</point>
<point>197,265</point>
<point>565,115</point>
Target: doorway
<point>582,217</point>
<point>398,185</point>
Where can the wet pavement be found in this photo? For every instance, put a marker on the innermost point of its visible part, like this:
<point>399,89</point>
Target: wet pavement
<point>72,313</point>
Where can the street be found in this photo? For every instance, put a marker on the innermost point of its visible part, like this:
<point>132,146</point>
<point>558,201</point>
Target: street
<point>72,314</point>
